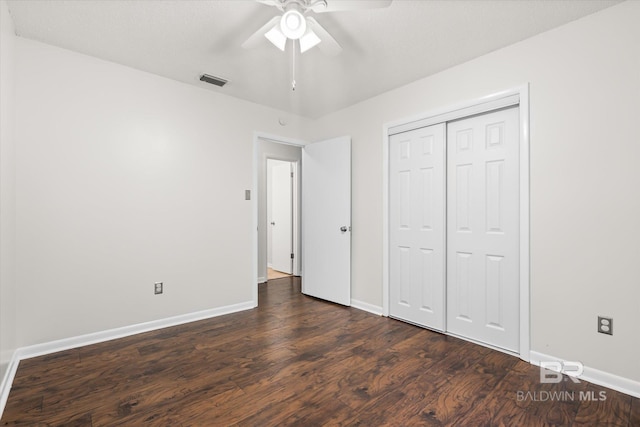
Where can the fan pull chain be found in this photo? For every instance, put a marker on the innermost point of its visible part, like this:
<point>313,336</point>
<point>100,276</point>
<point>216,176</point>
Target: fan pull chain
<point>293,61</point>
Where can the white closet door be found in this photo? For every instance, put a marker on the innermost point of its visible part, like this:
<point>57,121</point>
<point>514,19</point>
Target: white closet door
<point>483,228</point>
<point>417,228</point>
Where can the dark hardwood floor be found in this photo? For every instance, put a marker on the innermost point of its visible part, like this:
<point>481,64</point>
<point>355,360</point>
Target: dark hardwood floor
<point>300,361</point>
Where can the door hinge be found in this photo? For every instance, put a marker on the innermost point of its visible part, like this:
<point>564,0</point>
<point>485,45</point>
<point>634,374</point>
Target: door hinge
<point>291,256</point>
<point>291,174</point>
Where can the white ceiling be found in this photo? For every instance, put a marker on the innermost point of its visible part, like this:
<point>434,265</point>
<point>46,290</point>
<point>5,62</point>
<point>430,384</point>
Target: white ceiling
<point>383,48</point>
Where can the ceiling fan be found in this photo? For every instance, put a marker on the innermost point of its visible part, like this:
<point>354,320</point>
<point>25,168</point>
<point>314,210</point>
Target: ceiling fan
<point>295,24</point>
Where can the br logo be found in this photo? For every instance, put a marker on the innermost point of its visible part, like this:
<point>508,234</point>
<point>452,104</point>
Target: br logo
<point>551,372</point>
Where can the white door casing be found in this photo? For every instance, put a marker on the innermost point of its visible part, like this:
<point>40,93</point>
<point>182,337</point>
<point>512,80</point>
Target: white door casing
<point>483,301</point>
<point>326,220</point>
<point>417,226</point>
<point>281,221</point>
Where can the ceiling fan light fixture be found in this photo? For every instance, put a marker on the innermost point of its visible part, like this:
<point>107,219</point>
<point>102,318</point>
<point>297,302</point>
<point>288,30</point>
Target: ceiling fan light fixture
<point>309,40</point>
<point>293,24</point>
<point>276,37</point>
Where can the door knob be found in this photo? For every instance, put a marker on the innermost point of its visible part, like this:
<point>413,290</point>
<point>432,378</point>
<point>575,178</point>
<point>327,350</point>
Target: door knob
<point>344,228</point>
<point>273,223</point>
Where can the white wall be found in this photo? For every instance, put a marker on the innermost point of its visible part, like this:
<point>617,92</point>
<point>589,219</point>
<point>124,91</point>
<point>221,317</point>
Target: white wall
<point>7,192</point>
<point>124,179</point>
<point>585,99</point>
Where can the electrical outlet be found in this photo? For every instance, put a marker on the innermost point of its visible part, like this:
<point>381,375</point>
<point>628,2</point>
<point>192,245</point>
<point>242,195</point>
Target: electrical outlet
<point>157,288</point>
<point>605,325</point>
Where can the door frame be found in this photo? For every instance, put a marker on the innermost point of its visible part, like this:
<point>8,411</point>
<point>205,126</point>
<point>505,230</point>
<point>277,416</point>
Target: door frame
<point>257,136</point>
<point>514,96</point>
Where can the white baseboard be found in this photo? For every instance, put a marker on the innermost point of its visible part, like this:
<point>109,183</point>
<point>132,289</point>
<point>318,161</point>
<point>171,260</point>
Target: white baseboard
<point>595,376</point>
<point>108,335</point>
<point>125,331</point>
<point>365,306</point>
<point>7,380</point>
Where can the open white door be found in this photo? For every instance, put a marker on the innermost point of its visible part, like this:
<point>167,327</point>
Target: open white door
<point>326,220</point>
<point>281,216</point>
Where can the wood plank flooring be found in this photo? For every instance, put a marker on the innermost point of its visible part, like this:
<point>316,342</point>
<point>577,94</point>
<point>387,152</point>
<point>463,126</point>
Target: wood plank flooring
<point>296,360</point>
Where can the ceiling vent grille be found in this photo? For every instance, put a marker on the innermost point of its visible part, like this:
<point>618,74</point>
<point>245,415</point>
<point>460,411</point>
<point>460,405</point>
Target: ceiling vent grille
<point>213,80</point>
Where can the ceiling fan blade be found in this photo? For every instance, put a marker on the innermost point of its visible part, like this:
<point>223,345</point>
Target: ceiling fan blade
<point>275,3</point>
<point>342,5</point>
<point>328,44</point>
<point>256,38</point>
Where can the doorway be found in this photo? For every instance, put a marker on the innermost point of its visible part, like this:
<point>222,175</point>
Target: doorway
<point>324,169</point>
<point>271,151</point>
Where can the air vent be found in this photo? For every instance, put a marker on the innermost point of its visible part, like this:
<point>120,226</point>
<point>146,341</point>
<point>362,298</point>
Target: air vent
<point>213,80</point>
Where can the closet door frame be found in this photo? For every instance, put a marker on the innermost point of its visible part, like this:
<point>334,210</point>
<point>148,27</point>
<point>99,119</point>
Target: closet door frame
<point>516,96</point>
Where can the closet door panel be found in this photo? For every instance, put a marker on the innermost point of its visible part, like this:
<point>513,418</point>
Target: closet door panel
<point>483,228</point>
<point>417,227</point>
